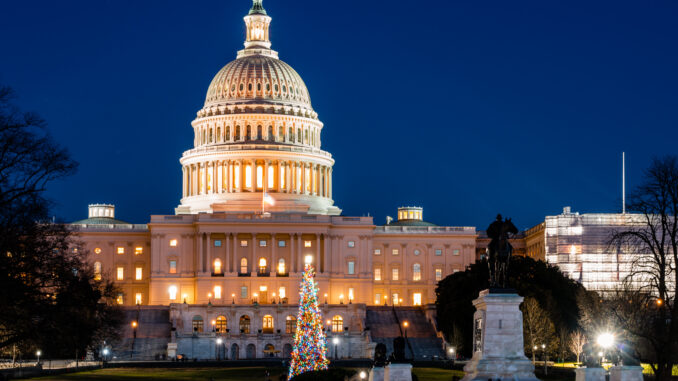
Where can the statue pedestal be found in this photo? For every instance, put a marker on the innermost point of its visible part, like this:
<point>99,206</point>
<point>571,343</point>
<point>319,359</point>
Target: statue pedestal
<point>590,374</point>
<point>399,372</point>
<point>498,351</point>
<point>376,374</point>
<point>626,373</point>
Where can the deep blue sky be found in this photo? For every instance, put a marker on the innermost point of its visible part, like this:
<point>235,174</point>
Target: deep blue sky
<point>467,108</point>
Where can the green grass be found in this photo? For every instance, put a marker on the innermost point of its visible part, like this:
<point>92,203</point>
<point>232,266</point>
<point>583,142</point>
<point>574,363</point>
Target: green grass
<point>140,374</point>
<point>434,374</point>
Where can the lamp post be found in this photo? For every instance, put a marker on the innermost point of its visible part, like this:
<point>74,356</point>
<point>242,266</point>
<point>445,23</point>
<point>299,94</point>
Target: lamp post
<point>605,340</point>
<point>450,352</point>
<point>232,298</point>
<point>543,349</point>
<point>219,343</point>
<point>534,350</point>
<point>103,358</point>
<point>335,341</point>
<point>134,336</point>
<point>38,353</point>
<point>325,298</point>
<point>363,375</point>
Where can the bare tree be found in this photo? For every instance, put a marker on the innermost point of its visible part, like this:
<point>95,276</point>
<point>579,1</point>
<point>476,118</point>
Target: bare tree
<point>539,329</point>
<point>577,341</point>
<point>645,308</point>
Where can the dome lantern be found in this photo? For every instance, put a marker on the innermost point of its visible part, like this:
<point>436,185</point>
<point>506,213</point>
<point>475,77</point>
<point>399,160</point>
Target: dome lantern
<point>257,22</point>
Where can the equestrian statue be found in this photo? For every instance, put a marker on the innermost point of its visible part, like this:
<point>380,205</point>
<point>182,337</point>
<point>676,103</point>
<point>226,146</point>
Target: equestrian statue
<point>499,250</point>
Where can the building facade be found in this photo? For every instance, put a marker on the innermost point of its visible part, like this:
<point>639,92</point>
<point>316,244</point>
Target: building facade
<point>256,203</point>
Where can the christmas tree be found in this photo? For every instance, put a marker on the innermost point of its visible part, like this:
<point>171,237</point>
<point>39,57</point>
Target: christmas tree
<point>309,339</point>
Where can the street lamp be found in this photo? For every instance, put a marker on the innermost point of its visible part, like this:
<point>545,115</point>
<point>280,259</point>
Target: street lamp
<point>405,325</point>
<point>232,298</point>
<point>325,298</point>
<point>335,341</point>
<point>363,374</point>
<point>543,351</point>
<point>450,350</point>
<point>605,340</point>
<point>38,353</point>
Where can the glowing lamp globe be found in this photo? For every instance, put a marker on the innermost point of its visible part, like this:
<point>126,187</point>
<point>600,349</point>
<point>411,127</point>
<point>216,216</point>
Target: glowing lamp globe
<point>605,340</point>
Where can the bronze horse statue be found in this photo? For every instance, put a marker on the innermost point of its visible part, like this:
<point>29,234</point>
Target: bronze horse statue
<point>499,250</point>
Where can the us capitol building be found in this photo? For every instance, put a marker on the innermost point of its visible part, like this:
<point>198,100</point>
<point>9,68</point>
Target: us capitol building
<point>220,278</point>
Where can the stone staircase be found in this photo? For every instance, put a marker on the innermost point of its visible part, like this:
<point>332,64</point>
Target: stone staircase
<point>153,334</point>
<point>385,323</point>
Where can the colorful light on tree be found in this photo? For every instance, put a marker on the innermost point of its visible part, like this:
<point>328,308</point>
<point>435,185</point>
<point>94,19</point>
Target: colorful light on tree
<point>309,340</point>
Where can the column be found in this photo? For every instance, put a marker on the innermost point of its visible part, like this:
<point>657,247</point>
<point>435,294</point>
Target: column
<point>230,176</point>
<point>303,178</point>
<point>200,249</point>
<point>217,177</point>
<point>318,264</point>
<point>300,254</point>
<point>235,253</point>
<point>253,178</point>
<point>183,179</point>
<point>293,181</point>
<point>265,176</point>
<point>274,259</point>
<point>204,181</point>
<point>277,176</point>
<point>329,180</point>
<point>254,261</point>
<point>325,253</point>
<point>208,253</point>
<point>292,259</point>
<point>241,180</point>
<point>227,261</point>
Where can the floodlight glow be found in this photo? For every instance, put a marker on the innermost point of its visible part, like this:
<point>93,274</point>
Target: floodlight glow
<point>220,341</point>
<point>605,340</point>
<point>363,374</point>
<point>308,259</point>
<point>451,350</point>
<point>335,341</point>
<point>105,351</point>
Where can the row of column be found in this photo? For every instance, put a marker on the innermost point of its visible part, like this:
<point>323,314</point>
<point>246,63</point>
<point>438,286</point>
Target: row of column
<point>231,262</point>
<point>234,176</point>
<point>290,135</point>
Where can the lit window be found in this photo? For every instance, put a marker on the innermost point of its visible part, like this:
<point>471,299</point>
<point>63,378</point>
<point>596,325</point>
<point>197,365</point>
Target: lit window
<point>416,272</point>
<point>248,176</point>
<point>262,265</point>
<point>138,273</point>
<point>243,292</point>
<point>197,323</point>
<point>97,270</point>
<point>120,273</point>
<point>137,298</point>
<point>282,173</point>
<point>377,273</point>
<point>97,250</point>
<point>377,251</point>
<point>217,292</point>
<point>417,252</point>
<point>267,324</point>
<point>439,252</point>
<point>395,252</point>
<point>351,267</point>
<point>121,250</point>
<point>281,266</point>
<point>138,250</point>
<point>350,294</point>
<point>260,177</point>
<point>395,299</point>
<point>172,290</point>
<point>290,325</point>
<point>217,266</point>
<point>351,243</point>
<point>377,298</point>
<point>307,243</point>
<point>282,293</point>
<point>337,324</point>
<point>222,324</point>
<point>245,324</point>
<point>173,243</point>
<point>455,252</point>
<point>281,243</point>
<point>172,267</point>
<point>416,299</point>
<point>243,266</point>
<point>271,175</point>
<point>439,275</point>
<point>243,243</point>
<point>262,243</point>
<point>217,243</point>
<point>395,274</point>
<point>119,299</point>
<point>236,171</point>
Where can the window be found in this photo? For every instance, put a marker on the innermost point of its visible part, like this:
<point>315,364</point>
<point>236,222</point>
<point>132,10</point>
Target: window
<point>416,299</point>
<point>217,266</point>
<point>173,243</point>
<point>377,298</point>
<point>282,169</point>
<point>281,243</point>
<point>377,273</point>
<point>351,294</point>
<point>172,290</point>
<point>198,323</point>
<point>439,252</point>
<point>439,275</point>
<point>351,243</point>
<point>221,324</point>
<point>455,252</point>
<point>248,175</point>
<point>281,267</point>
<point>395,299</point>
<point>217,243</point>
<point>138,250</point>
<point>137,298</point>
<point>267,324</point>
<point>417,252</point>
<point>97,270</point>
<point>290,325</point>
<point>337,324</point>
<point>262,265</point>
<point>282,293</point>
<point>260,174</point>
<point>243,266</point>
<point>97,250</point>
<point>217,292</point>
<point>243,292</point>
<point>307,243</point>
<point>121,250</point>
<point>262,243</point>
<point>243,243</point>
<point>172,267</point>
<point>271,171</point>
<point>120,298</point>
<point>394,251</point>
<point>377,251</point>
<point>351,267</point>
<point>395,275</point>
<point>245,324</point>
<point>138,273</point>
<point>416,272</point>
<point>120,273</point>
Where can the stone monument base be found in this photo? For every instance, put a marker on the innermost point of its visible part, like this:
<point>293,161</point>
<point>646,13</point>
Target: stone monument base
<point>376,374</point>
<point>626,373</point>
<point>590,374</point>
<point>399,372</point>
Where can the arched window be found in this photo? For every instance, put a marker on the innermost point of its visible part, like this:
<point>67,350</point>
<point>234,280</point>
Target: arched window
<point>298,135</point>
<point>237,133</point>
<point>282,177</point>
<point>228,133</point>
<point>197,323</point>
<point>221,325</point>
<point>217,266</point>
<point>290,134</point>
<point>337,324</point>
<point>271,177</point>
<point>290,325</point>
<point>218,134</point>
<point>249,87</point>
<point>267,324</point>
<point>245,324</point>
<point>262,265</point>
<point>97,270</point>
<point>248,134</point>
<point>281,134</point>
<point>260,176</point>
<point>243,266</point>
<point>416,272</point>
<point>281,267</point>
<point>248,176</point>
<point>259,133</point>
<point>211,135</point>
<point>305,136</point>
<point>270,133</point>
<point>203,136</point>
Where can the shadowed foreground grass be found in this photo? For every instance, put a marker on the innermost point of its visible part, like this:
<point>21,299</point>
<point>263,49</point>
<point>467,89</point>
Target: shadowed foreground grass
<point>215,374</point>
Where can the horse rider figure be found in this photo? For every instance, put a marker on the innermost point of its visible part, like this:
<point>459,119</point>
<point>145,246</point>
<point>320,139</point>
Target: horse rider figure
<point>499,250</point>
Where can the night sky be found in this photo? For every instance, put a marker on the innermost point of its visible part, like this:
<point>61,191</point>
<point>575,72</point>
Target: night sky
<point>467,108</point>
